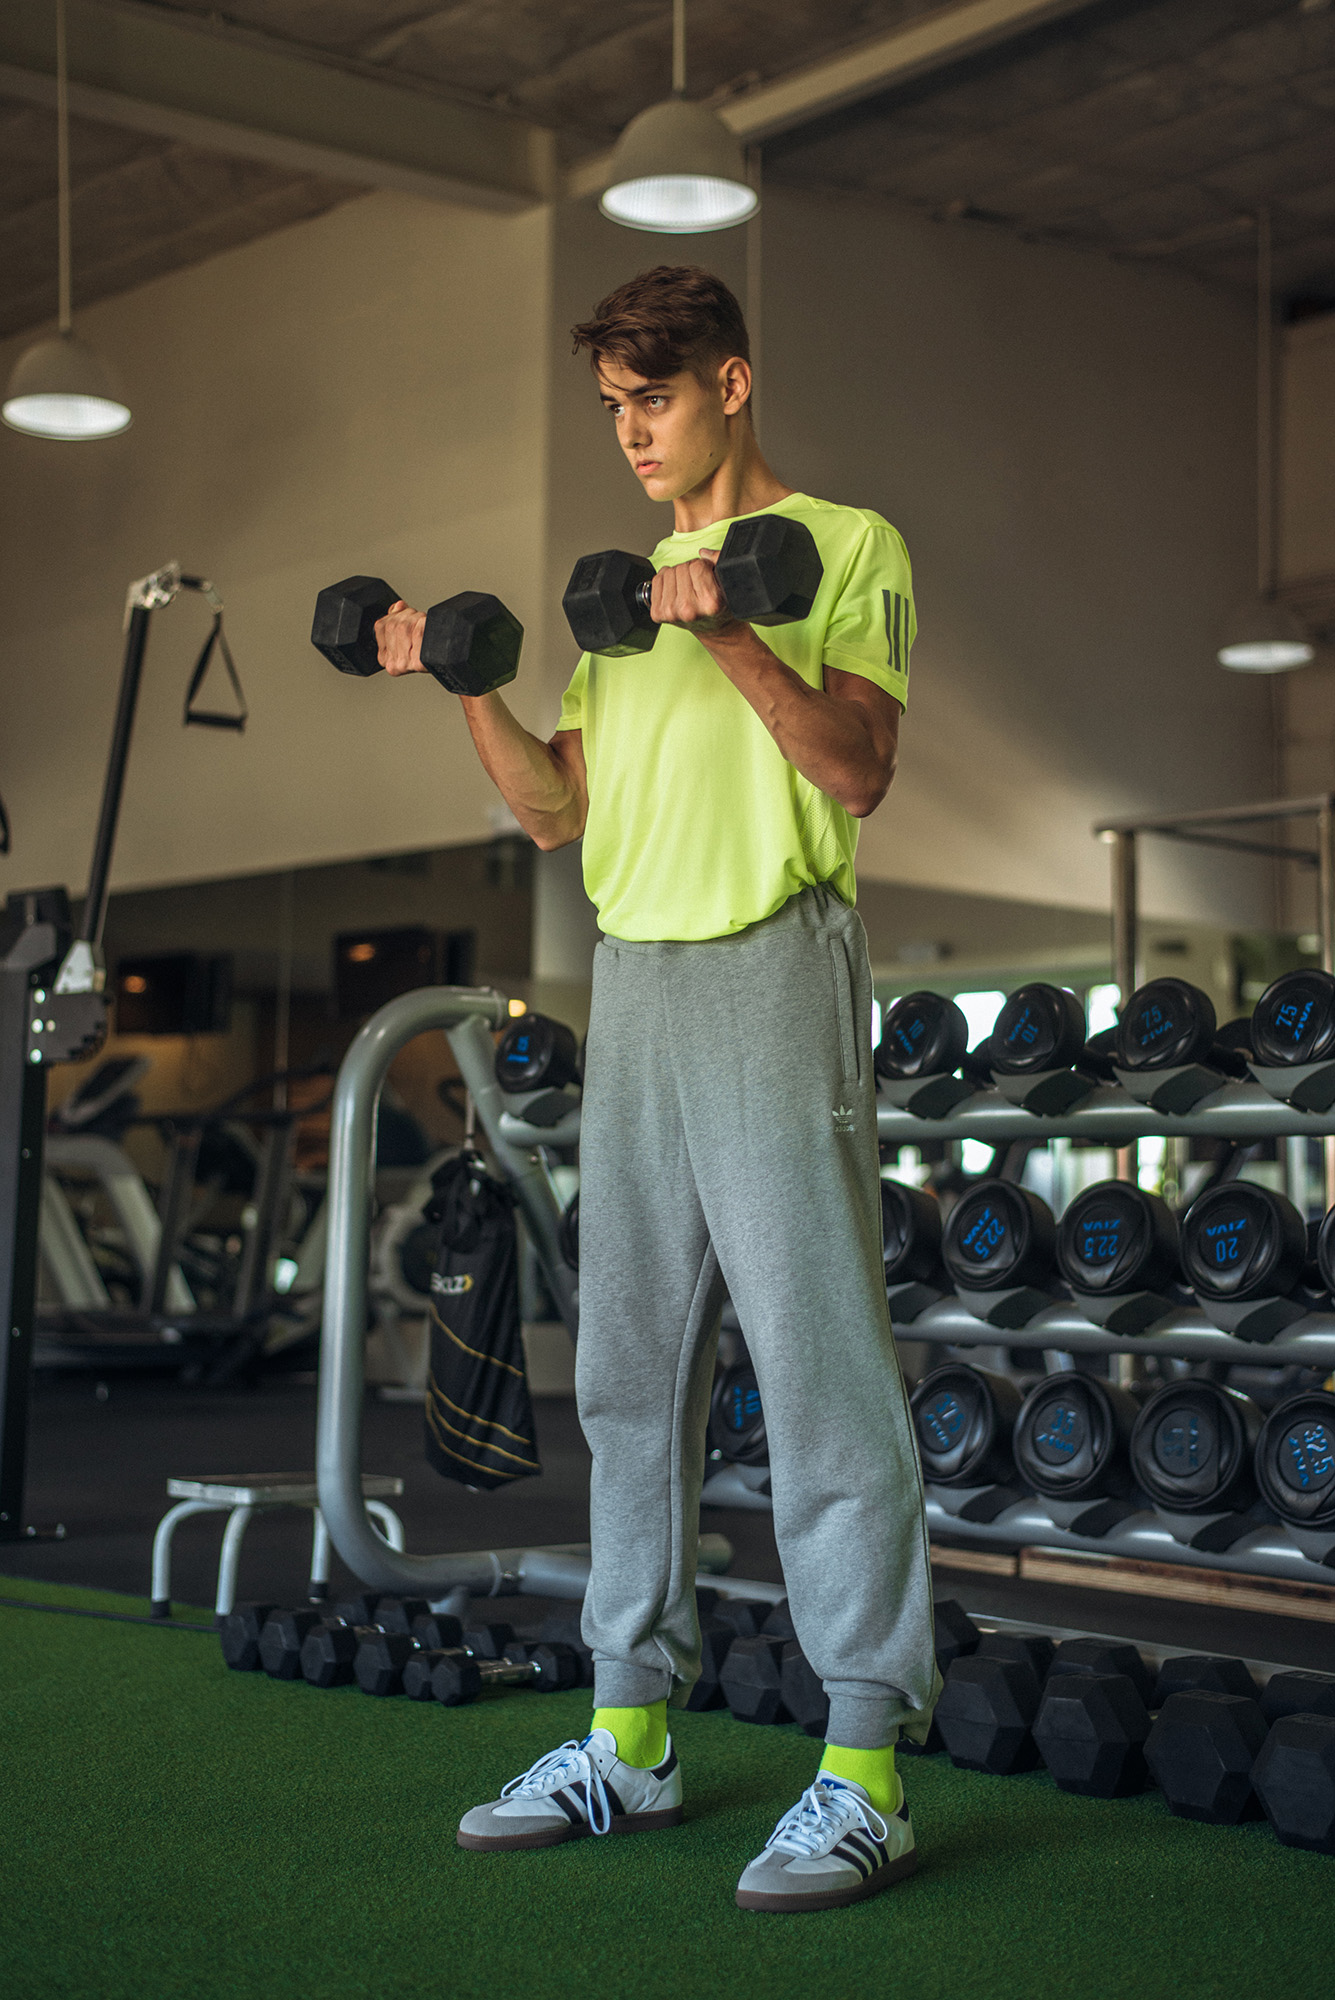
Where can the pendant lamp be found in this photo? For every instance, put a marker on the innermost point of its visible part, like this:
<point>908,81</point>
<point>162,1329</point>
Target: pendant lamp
<point>60,388</point>
<point>1264,636</point>
<point>676,169</point>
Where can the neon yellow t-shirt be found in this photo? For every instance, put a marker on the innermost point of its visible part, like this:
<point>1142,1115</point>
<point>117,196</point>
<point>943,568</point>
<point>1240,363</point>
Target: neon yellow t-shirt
<point>698,825</point>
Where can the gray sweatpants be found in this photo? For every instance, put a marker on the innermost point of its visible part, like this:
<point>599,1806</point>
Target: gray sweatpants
<point>729,1140</point>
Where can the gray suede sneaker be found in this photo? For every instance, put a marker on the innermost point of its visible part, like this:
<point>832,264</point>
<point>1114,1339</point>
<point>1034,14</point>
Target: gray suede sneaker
<point>832,1848</point>
<point>579,1789</point>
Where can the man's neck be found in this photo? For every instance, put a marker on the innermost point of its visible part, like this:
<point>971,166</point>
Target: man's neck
<point>741,483</point>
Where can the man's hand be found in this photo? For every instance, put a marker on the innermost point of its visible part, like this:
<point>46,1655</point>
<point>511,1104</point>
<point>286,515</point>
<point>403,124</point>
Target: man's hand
<point>399,638</point>
<point>688,594</point>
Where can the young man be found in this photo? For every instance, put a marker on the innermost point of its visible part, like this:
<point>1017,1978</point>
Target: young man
<point>729,1121</point>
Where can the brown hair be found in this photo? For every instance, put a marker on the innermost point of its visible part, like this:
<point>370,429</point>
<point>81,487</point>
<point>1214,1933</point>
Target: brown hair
<point>674,317</point>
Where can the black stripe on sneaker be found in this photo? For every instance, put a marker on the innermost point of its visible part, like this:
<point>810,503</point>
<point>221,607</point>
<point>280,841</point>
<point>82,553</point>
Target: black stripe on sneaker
<point>867,1847</point>
<point>570,1807</point>
<point>846,1851</point>
<point>618,1810</point>
<point>667,1767</point>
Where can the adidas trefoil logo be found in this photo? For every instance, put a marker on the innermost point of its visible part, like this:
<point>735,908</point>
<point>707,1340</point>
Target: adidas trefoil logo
<point>843,1116</point>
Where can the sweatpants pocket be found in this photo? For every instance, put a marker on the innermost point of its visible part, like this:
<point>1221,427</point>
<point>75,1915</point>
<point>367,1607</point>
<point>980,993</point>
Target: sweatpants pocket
<point>842,972</point>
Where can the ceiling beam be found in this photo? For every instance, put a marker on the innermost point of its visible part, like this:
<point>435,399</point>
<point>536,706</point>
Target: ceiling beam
<point>928,42</point>
<point>179,78</point>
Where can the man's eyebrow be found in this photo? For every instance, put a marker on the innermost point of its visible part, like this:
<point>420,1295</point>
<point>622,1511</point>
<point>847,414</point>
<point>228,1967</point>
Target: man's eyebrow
<point>629,395</point>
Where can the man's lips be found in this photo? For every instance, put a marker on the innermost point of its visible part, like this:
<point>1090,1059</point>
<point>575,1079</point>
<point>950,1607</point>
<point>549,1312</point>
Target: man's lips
<point>648,464</point>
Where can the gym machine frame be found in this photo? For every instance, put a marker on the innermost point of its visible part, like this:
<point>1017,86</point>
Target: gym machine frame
<point>53,1010</point>
<point>1237,1112</point>
<point>468,1016</point>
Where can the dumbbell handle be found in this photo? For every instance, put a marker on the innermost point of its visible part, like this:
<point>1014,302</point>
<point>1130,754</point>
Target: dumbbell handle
<point>506,1673</point>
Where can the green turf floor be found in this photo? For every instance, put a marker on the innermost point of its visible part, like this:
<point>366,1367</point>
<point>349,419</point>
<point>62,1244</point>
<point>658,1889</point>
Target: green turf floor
<point>170,1828</point>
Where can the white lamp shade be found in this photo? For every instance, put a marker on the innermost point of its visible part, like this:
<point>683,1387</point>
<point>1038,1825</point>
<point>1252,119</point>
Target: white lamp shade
<point>62,389</point>
<point>678,170</point>
<point>1264,637</point>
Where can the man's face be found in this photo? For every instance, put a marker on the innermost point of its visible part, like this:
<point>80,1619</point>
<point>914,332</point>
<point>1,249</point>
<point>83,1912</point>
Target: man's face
<point>674,432</point>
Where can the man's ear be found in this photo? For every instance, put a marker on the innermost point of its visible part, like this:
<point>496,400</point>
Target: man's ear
<point>735,384</point>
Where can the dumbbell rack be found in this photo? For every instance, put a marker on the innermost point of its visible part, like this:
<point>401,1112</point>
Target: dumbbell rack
<point>1237,1112</point>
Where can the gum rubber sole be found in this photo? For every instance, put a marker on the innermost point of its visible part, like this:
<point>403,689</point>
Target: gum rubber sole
<point>558,1834</point>
<point>831,1899</point>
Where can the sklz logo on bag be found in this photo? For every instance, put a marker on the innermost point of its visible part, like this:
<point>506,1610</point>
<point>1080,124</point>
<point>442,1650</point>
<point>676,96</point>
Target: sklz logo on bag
<point>452,1287</point>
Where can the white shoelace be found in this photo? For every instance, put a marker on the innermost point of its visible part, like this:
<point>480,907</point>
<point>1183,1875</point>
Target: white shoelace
<point>572,1766</point>
<point>821,1816</point>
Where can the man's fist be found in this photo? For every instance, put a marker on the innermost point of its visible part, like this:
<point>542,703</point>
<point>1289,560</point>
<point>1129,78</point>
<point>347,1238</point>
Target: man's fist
<point>399,639</point>
<point>688,594</point>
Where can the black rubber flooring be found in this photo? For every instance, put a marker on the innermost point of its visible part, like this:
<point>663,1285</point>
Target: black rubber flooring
<point>99,1461</point>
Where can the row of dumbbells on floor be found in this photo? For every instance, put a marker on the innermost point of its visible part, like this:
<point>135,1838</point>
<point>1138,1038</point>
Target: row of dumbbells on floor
<point>1221,1749</point>
<point>399,1645</point>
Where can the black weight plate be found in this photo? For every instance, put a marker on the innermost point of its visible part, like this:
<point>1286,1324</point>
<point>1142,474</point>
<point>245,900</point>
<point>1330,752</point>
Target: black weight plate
<point>1241,1241</point>
<point>999,1235</point>
<point>922,1034</point>
<point>1040,1027</point>
<point>736,1419</point>
<point>1165,1024</point>
<point>1191,1449</point>
<point>1294,1019</point>
<point>536,1053</point>
<point>1072,1435</point>
<point>1295,1460</point>
<point>963,1418</point>
<point>910,1234</point>
<point>1117,1237</point>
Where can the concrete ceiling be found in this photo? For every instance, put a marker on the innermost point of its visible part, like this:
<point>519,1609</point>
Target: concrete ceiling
<point>1148,128</point>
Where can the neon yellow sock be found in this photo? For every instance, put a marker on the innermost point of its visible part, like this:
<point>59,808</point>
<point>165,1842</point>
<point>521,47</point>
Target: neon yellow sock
<point>874,1770</point>
<point>641,1733</point>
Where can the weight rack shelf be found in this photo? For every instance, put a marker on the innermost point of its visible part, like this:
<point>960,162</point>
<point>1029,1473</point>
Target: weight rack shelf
<point>1110,1116</point>
<point>1185,1336</point>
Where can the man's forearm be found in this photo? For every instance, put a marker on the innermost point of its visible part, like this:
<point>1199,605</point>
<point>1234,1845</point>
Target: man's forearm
<point>540,790</point>
<point>830,742</point>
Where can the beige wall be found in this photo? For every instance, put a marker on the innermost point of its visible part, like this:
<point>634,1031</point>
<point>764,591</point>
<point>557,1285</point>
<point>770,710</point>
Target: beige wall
<point>1307,451</point>
<point>362,392</point>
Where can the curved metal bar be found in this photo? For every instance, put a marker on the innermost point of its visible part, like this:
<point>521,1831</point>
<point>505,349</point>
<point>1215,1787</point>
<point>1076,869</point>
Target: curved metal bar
<point>343,1335</point>
<point>467,1014</point>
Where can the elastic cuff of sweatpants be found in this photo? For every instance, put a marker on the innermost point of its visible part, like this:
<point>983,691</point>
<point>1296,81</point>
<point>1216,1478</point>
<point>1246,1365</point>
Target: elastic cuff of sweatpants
<point>863,1722</point>
<point>617,1685</point>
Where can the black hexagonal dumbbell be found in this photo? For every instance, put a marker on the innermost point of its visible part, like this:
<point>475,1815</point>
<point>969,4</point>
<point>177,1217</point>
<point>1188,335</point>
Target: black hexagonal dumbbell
<point>954,1635</point>
<point>716,1638</point>
<point>1294,1692</point>
<point>1201,1751</point>
<point>281,1642</point>
<point>752,1678</point>
<point>1202,1673</point>
<point>384,1652</point>
<point>547,1668</point>
<point>239,1634</point>
<point>470,643</point>
<point>1091,1731</point>
<point>802,1691</point>
<point>744,1616</point>
<point>986,1714</point>
<point>1103,1656</point>
<point>768,569</point>
<point>1294,1778</point>
<point>331,1650</point>
<point>1034,1648</point>
<point>565,1628</point>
